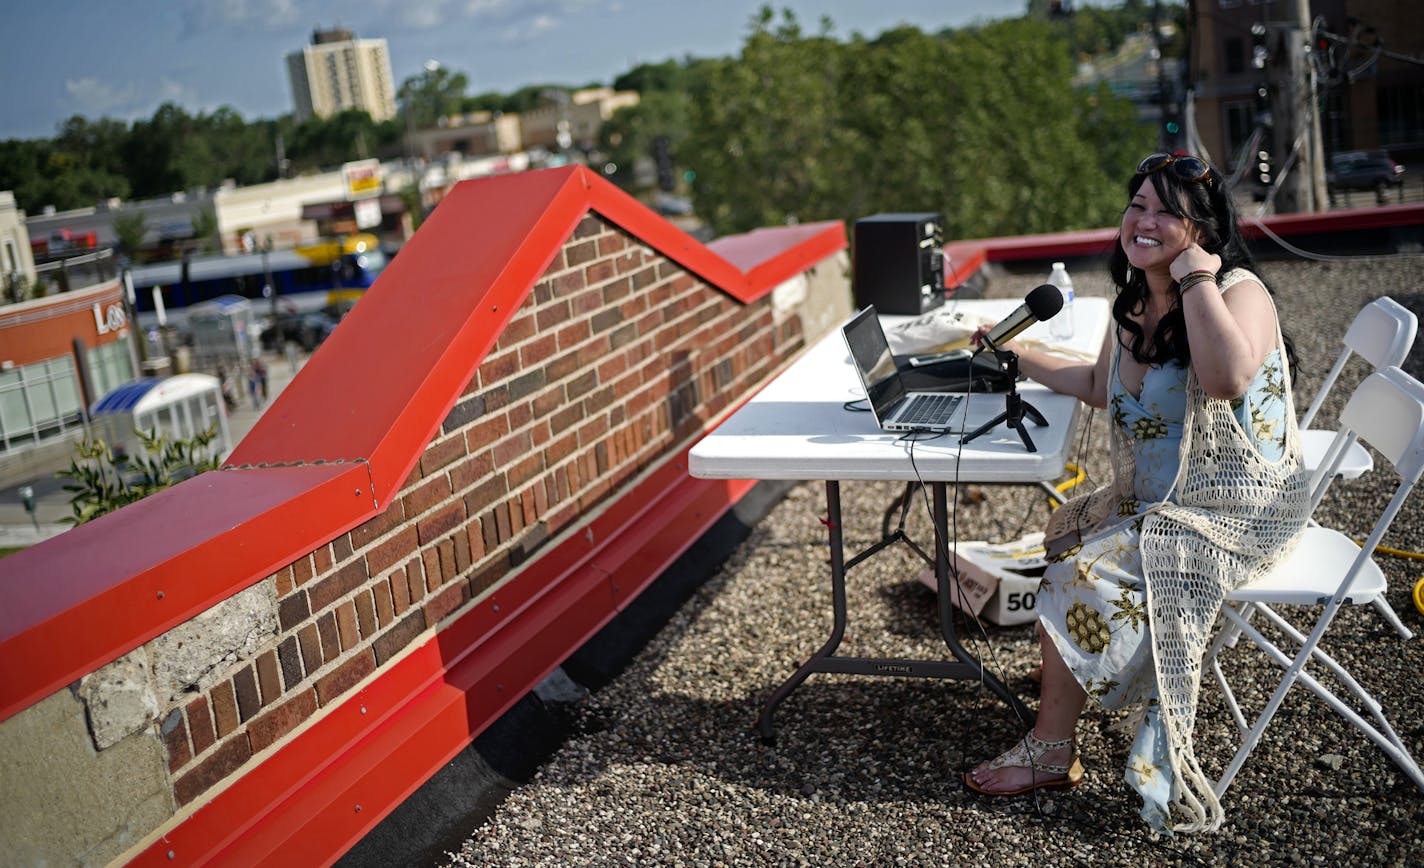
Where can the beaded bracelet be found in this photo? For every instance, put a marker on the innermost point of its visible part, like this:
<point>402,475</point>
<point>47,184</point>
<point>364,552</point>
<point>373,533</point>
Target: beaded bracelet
<point>1193,279</point>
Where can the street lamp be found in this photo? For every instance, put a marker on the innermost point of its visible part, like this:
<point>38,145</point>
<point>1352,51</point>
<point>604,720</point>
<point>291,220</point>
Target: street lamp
<point>27,497</point>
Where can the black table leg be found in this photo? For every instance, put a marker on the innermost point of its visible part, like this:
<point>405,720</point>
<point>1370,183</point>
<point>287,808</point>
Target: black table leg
<point>825,659</point>
<point>946,610</point>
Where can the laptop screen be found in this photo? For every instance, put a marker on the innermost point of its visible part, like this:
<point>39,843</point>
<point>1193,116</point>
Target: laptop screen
<point>871,354</point>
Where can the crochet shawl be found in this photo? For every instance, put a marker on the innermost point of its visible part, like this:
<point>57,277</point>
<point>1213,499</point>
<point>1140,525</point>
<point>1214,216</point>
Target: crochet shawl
<point>1234,515</point>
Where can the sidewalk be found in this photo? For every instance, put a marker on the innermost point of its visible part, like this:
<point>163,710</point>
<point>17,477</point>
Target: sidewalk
<point>18,528</point>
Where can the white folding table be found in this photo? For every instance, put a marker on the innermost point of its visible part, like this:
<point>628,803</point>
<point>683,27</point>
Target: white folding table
<point>800,427</point>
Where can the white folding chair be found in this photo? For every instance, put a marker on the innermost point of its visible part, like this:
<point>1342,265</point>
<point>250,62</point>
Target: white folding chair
<point>1327,570</point>
<point>1382,334</point>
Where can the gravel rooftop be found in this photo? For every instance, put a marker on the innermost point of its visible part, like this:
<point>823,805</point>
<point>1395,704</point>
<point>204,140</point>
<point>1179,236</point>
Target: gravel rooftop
<point>663,767</point>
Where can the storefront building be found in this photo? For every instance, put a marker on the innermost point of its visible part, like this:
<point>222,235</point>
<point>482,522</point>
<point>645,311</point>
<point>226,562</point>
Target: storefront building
<point>58,355</point>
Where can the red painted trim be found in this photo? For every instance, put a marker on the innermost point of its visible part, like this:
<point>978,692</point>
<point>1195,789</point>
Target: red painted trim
<point>375,393</point>
<point>377,746</point>
<point>635,217</point>
<point>774,255</point>
<point>113,584</point>
<point>1350,220</point>
<point>967,257</point>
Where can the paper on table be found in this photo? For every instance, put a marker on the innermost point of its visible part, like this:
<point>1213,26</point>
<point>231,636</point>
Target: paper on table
<point>945,329</point>
<point>935,332</point>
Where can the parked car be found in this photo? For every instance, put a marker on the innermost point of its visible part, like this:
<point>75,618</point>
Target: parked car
<point>1364,170</point>
<point>307,330</point>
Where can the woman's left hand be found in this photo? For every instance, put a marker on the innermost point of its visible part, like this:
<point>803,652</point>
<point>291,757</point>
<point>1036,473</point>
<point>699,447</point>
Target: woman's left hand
<point>1194,258</point>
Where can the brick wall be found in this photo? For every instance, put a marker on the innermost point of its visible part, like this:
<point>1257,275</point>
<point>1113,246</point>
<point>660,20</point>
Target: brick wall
<point>617,358</point>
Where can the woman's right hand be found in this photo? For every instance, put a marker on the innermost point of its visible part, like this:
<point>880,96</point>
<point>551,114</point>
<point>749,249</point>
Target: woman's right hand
<point>977,339</point>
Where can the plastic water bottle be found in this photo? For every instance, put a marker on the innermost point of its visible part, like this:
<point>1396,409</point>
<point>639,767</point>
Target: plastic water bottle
<point>1061,326</point>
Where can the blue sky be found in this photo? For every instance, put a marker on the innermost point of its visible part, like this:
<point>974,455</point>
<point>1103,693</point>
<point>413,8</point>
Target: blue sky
<point>123,58</point>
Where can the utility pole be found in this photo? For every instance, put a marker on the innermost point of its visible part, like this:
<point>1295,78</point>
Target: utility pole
<point>1315,142</point>
<point>1291,77</point>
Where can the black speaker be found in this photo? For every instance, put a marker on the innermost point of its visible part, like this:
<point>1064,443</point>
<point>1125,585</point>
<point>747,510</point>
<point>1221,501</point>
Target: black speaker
<point>898,262</point>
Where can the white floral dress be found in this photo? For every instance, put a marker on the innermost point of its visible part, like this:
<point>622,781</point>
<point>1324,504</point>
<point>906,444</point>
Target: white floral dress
<point>1092,601</point>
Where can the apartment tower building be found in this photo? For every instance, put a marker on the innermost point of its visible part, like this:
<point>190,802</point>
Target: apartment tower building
<point>337,71</point>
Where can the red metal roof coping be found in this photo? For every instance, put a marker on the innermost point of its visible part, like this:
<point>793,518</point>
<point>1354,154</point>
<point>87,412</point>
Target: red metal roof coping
<point>964,258</point>
<point>96,592</point>
<point>349,429</point>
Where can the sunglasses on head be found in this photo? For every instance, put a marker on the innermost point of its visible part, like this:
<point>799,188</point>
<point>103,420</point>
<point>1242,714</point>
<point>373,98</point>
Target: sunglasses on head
<point>1185,168</point>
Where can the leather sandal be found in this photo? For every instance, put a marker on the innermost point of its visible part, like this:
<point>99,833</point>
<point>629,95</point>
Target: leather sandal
<point>1026,754</point>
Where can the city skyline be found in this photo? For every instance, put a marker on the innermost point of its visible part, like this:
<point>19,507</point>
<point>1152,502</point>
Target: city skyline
<point>125,60</point>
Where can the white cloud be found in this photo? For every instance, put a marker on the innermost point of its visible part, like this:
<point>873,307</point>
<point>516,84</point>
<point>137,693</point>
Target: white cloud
<point>514,20</point>
<point>95,97</point>
<point>205,15</point>
<point>422,14</point>
<point>497,9</point>
<point>90,95</point>
<point>529,19</point>
<point>176,92</point>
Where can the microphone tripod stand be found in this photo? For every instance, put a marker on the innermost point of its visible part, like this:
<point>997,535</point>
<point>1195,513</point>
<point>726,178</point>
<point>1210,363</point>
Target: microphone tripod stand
<point>1015,407</point>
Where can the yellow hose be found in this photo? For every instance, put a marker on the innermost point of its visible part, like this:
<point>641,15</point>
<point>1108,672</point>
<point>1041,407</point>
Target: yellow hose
<point>1079,474</point>
<point>1414,556</point>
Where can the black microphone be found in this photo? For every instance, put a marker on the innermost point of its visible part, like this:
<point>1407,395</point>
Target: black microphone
<point>1042,302</point>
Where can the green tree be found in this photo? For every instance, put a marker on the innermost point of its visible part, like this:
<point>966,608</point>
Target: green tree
<point>805,128</point>
<point>205,230</point>
<point>22,164</point>
<point>130,228</point>
<point>896,121</point>
<point>436,92</point>
<point>151,149</point>
<point>764,137</point>
<point>74,170</point>
<point>324,143</point>
<point>1020,158</point>
<point>627,137</point>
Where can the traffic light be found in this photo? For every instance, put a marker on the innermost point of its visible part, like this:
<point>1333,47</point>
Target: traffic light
<point>1263,106</point>
<point>662,158</point>
<point>1259,52</point>
<point>1264,172</point>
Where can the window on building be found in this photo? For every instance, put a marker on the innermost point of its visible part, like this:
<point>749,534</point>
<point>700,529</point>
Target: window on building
<point>1401,114</point>
<point>110,366</point>
<point>1239,122</point>
<point>38,401</point>
<point>1234,53</point>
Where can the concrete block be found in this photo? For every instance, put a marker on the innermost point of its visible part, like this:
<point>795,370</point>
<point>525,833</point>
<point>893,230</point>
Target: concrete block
<point>195,654</point>
<point>119,698</point>
<point>66,804</point>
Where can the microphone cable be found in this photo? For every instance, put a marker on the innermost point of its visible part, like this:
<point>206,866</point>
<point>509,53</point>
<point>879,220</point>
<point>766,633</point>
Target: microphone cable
<point>942,549</point>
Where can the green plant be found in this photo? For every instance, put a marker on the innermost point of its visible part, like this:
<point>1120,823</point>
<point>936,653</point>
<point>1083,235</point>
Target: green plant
<point>130,230</point>
<point>18,289</point>
<point>102,482</point>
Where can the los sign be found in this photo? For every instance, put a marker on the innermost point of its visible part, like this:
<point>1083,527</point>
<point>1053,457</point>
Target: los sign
<point>109,319</point>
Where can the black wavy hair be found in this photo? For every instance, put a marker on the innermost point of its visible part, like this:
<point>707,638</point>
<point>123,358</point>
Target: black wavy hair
<point>1206,204</point>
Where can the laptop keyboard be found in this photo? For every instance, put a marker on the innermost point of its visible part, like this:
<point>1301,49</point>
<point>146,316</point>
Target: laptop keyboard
<point>929,410</point>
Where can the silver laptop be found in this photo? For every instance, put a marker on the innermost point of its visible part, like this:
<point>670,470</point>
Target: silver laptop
<point>895,408</point>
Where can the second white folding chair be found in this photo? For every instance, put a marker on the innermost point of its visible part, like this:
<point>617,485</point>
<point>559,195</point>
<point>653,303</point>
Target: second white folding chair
<point>1382,334</point>
<point>1327,570</point>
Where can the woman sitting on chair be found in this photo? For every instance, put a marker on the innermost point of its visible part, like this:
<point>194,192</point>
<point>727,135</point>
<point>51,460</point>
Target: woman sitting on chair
<point>1208,491</point>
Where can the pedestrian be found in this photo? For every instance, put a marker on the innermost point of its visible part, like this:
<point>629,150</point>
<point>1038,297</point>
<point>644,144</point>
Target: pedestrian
<point>225,388</point>
<point>261,368</point>
<point>1208,492</point>
<point>254,386</point>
